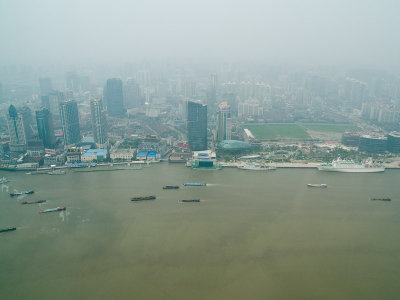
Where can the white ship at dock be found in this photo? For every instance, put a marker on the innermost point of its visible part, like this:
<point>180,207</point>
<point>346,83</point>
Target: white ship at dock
<point>256,167</point>
<point>349,166</point>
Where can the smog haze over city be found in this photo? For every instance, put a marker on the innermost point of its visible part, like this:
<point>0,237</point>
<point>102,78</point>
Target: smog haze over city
<point>343,33</point>
<point>203,149</point>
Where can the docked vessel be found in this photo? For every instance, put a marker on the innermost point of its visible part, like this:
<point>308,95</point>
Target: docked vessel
<point>140,198</point>
<point>381,199</point>
<point>33,202</point>
<point>3,180</point>
<point>349,166</point>
<point>256,167</point>
<point>8,229</point>
<point>57,172</point>
<point>16,194</point>
<point>21,193</point>
<point>190,200</point>
<point>320,185</point>
<point>194,184</point>
<point>60,208</point>
<point>170,187</point>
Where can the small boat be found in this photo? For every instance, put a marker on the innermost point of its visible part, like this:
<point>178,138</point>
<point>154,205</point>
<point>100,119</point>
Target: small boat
<point>33,202</point>
<point>60,208</point>
<point>170,187</point>
<point>381,199</point>
<point>140,198</point>
<point>190,200</point>
<point>8,229</point>
<point>3,180</point>
<point>28,192</point>
<point>195,184</point>
<point>320,185</point>
<point>16,194</point>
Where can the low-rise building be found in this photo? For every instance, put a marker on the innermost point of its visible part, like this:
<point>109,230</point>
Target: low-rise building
<point>122,154</point>
<point>372,144</point>
<point>94,155</point>
<point>73,155</point>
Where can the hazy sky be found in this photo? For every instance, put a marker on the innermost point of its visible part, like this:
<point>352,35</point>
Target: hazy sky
<point>335,32</point>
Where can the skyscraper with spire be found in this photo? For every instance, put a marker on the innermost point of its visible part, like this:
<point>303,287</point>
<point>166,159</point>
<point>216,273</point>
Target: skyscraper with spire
<point>16,130</point>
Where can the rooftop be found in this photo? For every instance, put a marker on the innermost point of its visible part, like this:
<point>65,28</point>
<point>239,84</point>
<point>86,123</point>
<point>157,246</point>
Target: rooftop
<point>101,152</point>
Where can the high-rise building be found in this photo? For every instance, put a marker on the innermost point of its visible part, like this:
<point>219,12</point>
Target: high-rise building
<point>45,86</point>
<point>132,93</point>
<point>16,130</point>
<point>224,127</point>
<point>99,121</point>
<point>45,127</point>
<point>197,125</point>
<point>212,93</point>
<point>27,118</point>
<point>70,122</point>
<point>114,97</point>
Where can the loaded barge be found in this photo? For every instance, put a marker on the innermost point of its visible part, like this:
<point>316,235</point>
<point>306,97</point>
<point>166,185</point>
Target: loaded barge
<point>141,198</point>
<point>190,200</point>
<point>33,202</point>
<point>170,187</point>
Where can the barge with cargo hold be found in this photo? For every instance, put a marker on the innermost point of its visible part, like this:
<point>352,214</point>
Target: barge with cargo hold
<point>190,200</point>
<point>141,198</point>
<point>170,187</point>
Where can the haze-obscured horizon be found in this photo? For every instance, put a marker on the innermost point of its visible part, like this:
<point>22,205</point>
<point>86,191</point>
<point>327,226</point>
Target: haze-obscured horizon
<point>340,33</point>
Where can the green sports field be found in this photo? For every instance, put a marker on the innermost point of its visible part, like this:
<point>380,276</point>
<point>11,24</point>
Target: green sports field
<point>337,128</point>
<point>296,131</point>
<point>277,131</point>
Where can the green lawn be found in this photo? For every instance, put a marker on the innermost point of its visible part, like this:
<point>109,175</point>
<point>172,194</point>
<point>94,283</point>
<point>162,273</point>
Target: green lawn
<point>276,131</point>
<point>329,127</point>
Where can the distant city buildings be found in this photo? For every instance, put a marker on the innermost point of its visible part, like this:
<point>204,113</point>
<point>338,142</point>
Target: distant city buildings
<point>132,94</point>
<point>380,113</point>
<point>45,86</point>
<point>27,118</point>
<point>45,127</point>
<point>70,122</point>
<point>197,125</point>
<point>212,92</point>
<point>224,126</point>
<point>16,130</point>
<point>114,97</point>
<point>250,108</point>
<point>99,121</point>
<point>1,93</point>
